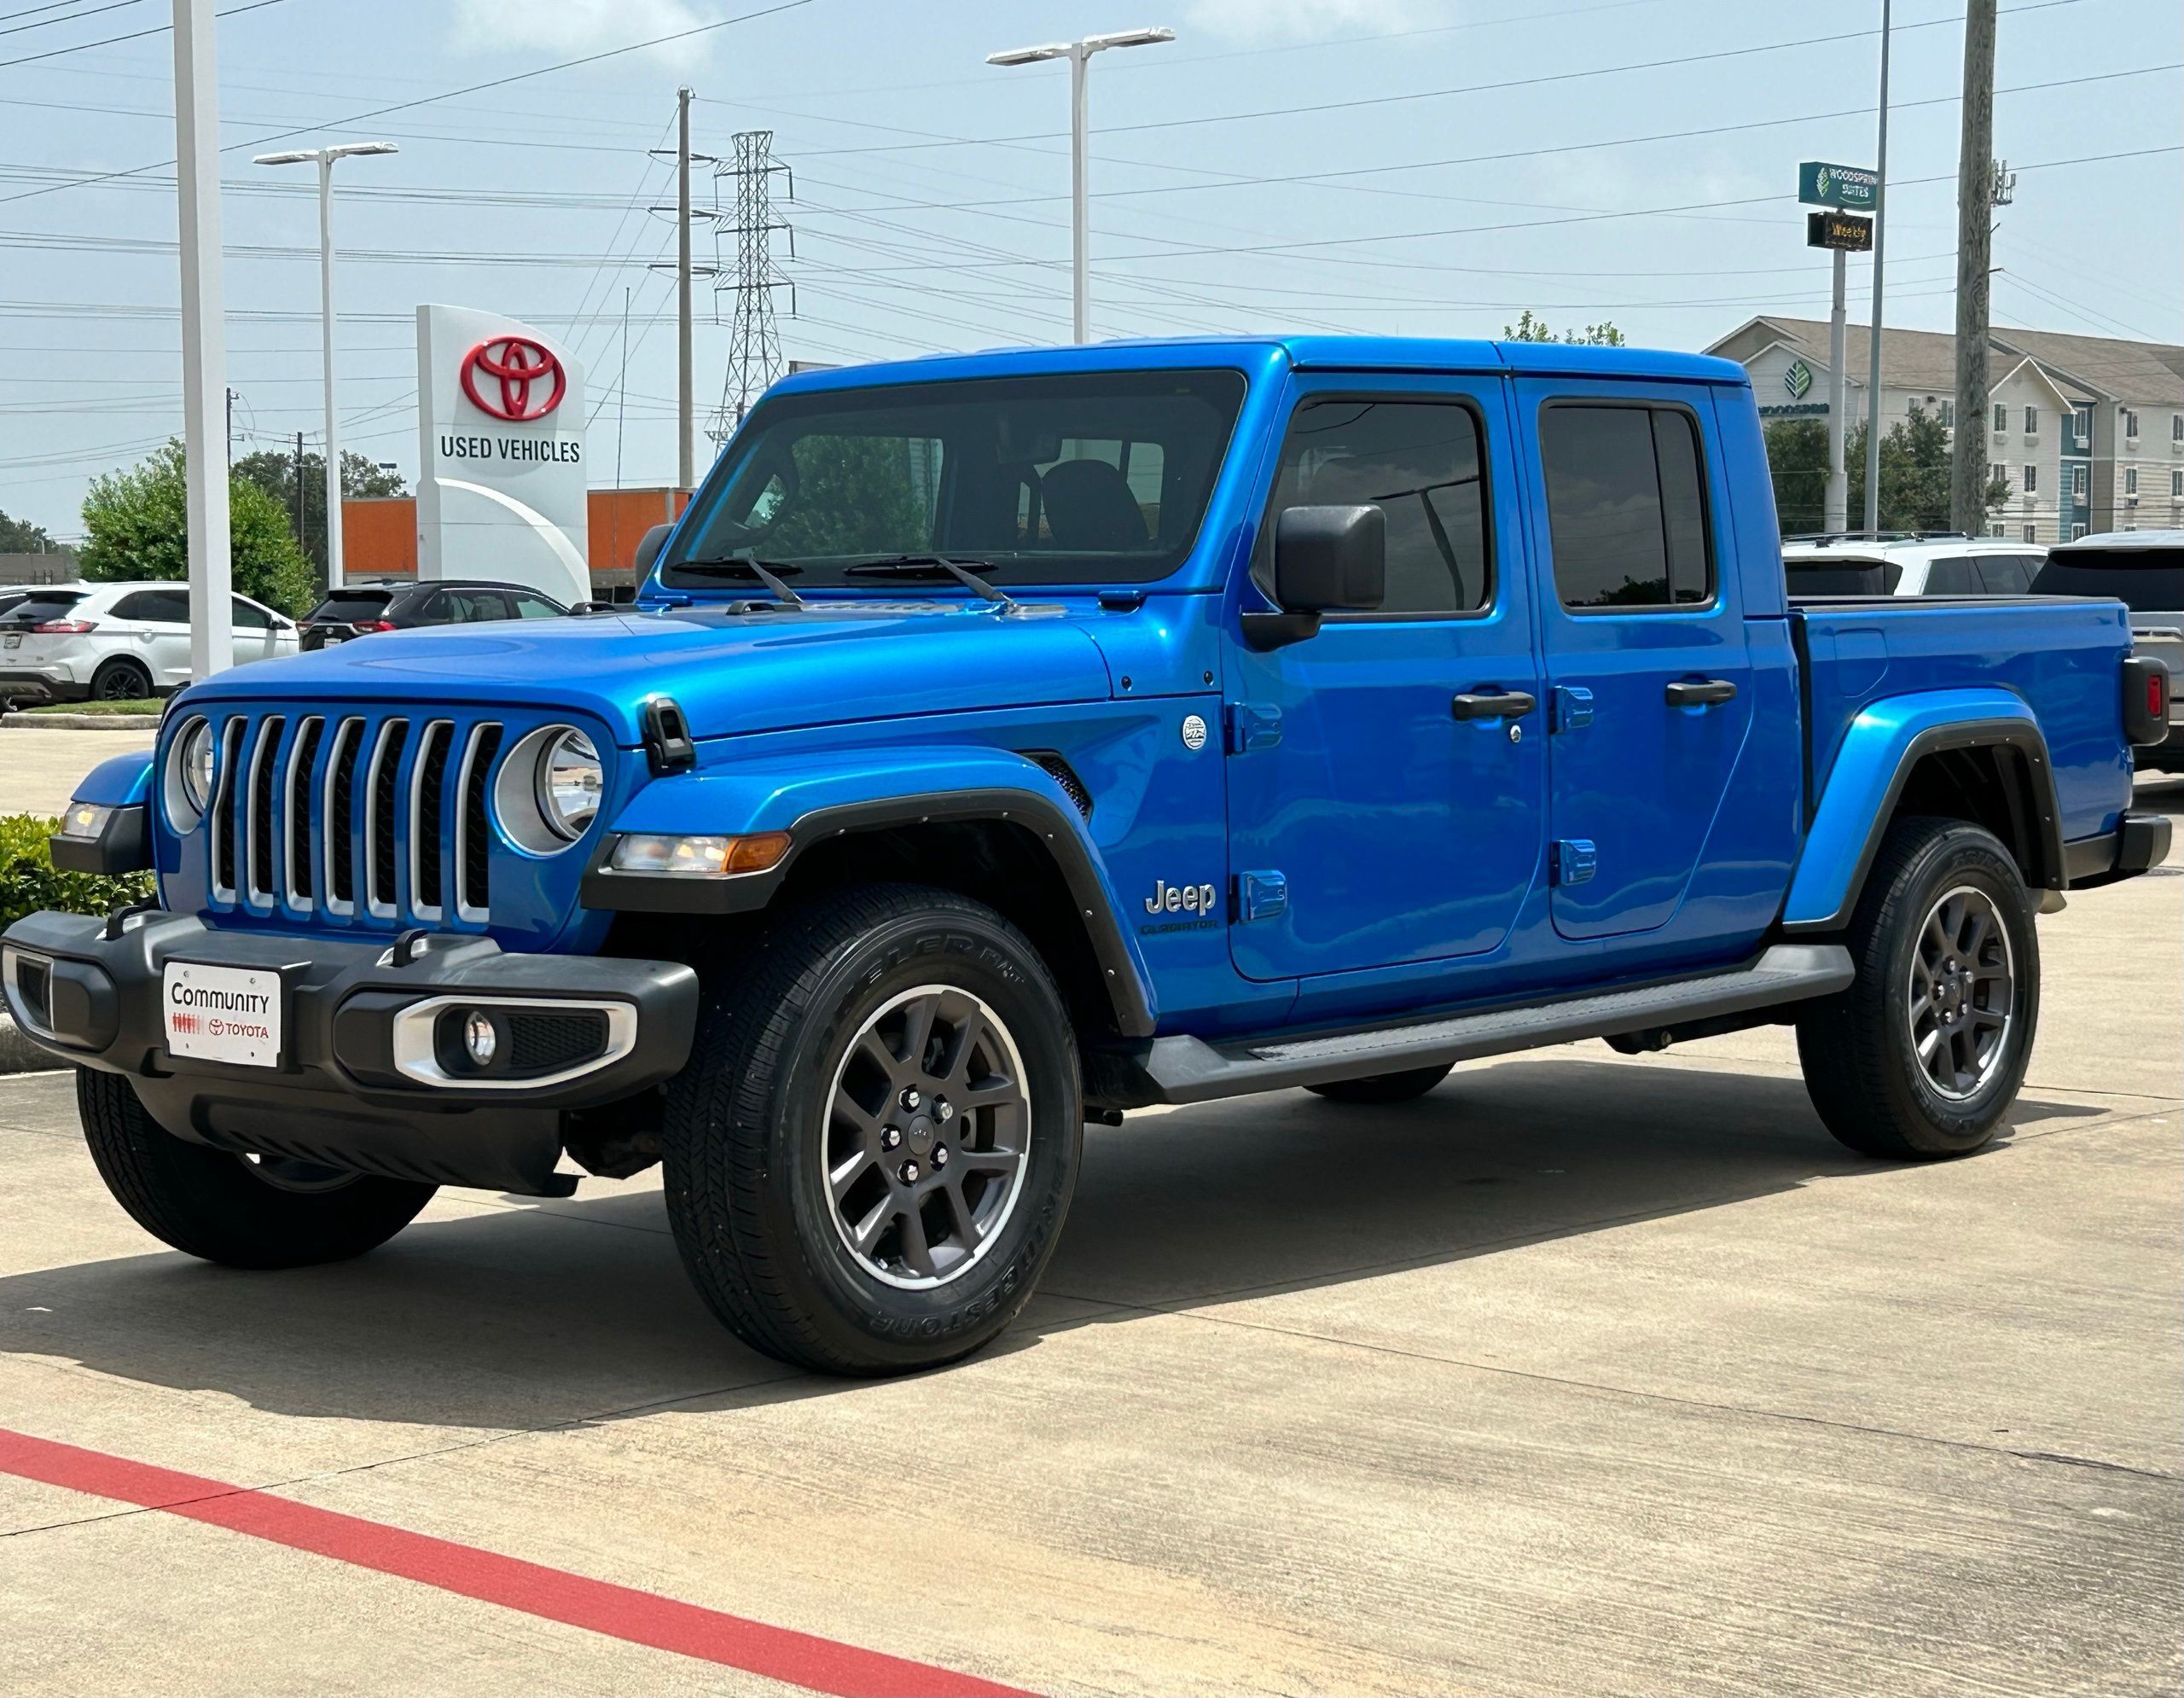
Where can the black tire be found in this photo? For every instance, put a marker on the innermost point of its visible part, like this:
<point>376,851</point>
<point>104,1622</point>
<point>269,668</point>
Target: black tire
<point>121,680</point>
<point>750,1119</point>
<point>1382,1087</point>
<point>1862,1066</point>
<point>231,1209</point>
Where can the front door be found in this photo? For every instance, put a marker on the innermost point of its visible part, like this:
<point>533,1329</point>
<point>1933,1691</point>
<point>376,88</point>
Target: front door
<point>1645,645</point>
<point>1369,825</point>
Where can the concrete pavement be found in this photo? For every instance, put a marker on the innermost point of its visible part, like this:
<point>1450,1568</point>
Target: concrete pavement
<point>1581,1375</point>
<point>39,768</point>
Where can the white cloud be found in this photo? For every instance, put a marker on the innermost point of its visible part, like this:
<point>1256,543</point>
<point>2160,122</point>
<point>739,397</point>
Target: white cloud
<point>566,29</point>
<point>1257,21</point>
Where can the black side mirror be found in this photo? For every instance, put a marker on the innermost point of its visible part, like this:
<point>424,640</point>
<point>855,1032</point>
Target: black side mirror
<point>1325,559</point>
<point>649,548</point>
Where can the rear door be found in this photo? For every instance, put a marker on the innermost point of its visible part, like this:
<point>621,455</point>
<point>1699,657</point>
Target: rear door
<point>1397,831</point>
<point>158,633</point>
<point>1645,646</point>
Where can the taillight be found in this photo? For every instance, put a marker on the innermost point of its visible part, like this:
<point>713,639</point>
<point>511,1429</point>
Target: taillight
<point>2145,700</point>
<point>2158,695</point>
<point>363,626</point>
<point>64,628</point>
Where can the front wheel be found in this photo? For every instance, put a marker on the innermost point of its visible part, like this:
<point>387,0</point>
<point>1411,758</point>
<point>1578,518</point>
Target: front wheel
<point>241,1210</point>
<point>874,1145</point>
<point>1922,1057</point>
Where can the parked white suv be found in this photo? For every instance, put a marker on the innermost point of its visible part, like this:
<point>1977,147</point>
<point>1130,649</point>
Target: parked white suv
<point>116,642</point>
<point>1923,564</point>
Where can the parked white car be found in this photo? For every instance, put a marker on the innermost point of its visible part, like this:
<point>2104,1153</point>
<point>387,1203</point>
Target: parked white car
<point>116,642</point>
<point>1910,566</point>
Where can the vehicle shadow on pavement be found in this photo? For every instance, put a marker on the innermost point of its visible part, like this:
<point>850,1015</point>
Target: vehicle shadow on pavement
<point>495,1313</point>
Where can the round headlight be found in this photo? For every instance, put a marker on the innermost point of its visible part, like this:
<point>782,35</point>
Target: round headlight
<point>194,766</point>
<point>570,781</point>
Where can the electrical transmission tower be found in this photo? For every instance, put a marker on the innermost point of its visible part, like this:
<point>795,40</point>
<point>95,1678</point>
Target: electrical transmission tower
<point>754,351</point>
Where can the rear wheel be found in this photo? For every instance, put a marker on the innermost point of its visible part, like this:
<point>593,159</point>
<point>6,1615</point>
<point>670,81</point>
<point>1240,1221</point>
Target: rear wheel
<point>243,1212</point>
<point>873,1148</point>
<point>121,680</point>
<point>1922,1057</point>
<point>1379,1088</point>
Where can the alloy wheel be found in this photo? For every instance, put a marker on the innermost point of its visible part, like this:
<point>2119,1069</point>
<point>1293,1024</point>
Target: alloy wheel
<point>1962,992</point>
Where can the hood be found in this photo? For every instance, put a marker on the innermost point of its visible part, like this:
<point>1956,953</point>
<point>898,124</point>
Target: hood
<point>838,662</point>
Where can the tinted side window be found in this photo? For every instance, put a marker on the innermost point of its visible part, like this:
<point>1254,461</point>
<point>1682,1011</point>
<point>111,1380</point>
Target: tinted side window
<point>529,606</point>
<point>154,607</point>
<point>1420,463</point>
<point>1626,506</point>
<point>249,618</point>
<point>1952,577</point>
<point>2005,574</point>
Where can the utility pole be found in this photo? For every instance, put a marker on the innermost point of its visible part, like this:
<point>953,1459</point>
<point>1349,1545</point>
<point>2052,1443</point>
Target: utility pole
<point>685,404</point>
<point>1975,230</point>
<point>303,539</point>
<point>622,389</point>
<point>1881,250</point>
<point>204,335</point>
<point>231,425</point>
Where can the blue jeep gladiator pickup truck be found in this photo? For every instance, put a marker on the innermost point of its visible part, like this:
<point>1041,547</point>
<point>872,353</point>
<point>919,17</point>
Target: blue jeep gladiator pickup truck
<point>1002,741</point>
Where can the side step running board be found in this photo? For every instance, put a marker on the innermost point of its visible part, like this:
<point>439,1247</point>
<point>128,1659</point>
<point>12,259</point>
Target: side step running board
<point>1184,1069</point>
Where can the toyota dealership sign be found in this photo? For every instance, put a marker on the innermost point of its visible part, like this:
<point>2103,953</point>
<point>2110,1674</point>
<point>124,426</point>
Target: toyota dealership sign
<point>501,488</point>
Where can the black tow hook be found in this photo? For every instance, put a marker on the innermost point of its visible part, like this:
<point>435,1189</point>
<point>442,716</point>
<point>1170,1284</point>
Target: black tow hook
<point>405,946</point>
<point>119,917</point>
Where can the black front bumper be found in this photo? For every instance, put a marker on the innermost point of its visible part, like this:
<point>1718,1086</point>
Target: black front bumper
<point>364,1078</point>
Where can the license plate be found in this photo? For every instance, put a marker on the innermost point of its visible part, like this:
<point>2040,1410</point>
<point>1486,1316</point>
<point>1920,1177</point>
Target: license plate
<point>224,1014</point>
<point>15,640</point>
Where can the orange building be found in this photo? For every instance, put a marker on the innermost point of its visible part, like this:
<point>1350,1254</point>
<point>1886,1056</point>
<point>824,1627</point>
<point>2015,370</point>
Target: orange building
<point>378,533</point>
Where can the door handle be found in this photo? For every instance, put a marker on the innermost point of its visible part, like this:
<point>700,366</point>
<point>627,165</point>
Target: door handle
<point>1493,704</point>
<point>1701,693</point>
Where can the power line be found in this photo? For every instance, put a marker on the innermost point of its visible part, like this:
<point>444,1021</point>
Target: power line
<point>427,100</point>
<point>72,18</point>
<point>134,35</point>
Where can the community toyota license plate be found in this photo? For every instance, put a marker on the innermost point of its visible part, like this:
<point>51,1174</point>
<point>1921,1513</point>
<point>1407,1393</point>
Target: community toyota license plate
<point>224,1014</point>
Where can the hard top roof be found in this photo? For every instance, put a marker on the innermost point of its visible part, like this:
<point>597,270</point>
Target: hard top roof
<point>1268,354</point>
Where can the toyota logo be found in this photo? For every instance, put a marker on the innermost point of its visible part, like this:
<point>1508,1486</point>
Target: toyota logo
<point>514,378</point>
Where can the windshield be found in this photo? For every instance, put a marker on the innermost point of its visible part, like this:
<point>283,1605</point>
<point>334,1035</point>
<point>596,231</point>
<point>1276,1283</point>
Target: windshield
<point>2145,580</point>
<point>345,606</point>
<point>1056,479</point>
<point>39,609</point>
<point>1838,576</point>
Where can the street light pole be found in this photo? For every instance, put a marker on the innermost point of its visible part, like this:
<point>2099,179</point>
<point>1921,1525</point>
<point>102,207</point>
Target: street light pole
<point>324,158</point>
<point>1079,54</point>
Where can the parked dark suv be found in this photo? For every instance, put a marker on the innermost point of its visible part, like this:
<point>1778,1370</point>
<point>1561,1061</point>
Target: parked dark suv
<point>2144,570</point>
<point>359,609</point>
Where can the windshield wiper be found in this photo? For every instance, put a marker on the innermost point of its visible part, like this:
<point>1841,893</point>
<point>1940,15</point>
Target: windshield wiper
<point>964,572</point>
<point>767,572</point>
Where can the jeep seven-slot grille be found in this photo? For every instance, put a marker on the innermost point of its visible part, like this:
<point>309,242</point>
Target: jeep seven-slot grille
<point>354,815</point>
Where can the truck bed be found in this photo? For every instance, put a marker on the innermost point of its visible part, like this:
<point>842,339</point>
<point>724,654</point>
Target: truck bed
<point>2059,656</point>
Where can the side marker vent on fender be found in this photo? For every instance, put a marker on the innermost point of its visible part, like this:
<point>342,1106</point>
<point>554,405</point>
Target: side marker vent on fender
<point>1063,775</point>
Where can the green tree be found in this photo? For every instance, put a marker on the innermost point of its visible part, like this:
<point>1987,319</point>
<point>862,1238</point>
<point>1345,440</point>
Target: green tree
<point>136,525</point>
<point>275,472</point>
<point>1527,328</point>
<point>1914,474</point>
<point>854,495</point>
<point>20,536</point>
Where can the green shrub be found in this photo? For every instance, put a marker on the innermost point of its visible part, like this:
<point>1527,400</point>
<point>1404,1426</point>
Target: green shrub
<point>30,881</point>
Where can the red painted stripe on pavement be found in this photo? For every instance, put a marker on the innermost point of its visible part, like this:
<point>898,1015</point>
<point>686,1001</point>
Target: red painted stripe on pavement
<point>619,1612</point>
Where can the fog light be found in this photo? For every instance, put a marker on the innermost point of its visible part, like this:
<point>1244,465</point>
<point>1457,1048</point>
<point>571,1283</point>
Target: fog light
<point>700,856</point>
<point>480,1038</point>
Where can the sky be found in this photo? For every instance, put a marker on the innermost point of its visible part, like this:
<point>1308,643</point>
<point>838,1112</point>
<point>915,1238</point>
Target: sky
<point>1427,167</point>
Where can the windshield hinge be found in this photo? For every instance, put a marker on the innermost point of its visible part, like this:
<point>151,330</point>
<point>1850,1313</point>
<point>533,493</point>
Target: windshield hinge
<point>668,747</point>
